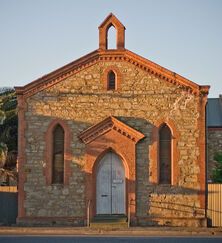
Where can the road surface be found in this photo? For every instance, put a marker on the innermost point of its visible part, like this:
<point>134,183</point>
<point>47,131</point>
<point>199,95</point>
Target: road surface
<point>108,239</point>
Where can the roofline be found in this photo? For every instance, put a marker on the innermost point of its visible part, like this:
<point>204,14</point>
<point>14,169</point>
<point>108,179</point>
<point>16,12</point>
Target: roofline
<point>55,73</point>
<point>166,71</point>
<point>109,55</point>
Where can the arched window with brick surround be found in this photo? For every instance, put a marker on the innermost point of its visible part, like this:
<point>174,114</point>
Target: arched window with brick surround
<point>164,153</point>
<point>165,137</point>
<point>111,80</point>
<point>58,155</point>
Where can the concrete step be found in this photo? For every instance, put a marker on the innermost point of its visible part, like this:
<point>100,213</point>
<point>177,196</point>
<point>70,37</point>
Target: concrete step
<point>110,218</point>
<point>108,225</point>
<point>109,221</point>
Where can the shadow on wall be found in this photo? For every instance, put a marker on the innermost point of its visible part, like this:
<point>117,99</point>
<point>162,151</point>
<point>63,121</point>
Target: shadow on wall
<point>160,199</point>
<point>180,201</point>
<point>176,202</point>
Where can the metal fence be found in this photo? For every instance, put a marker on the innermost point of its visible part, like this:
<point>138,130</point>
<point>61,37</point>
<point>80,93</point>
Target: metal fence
<point>214,211</point>
<point>8,205</point>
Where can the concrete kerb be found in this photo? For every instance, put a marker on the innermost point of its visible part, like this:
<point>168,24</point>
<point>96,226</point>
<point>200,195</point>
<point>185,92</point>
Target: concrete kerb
<point>135,231</point>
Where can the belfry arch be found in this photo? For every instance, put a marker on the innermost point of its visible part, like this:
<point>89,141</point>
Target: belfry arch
<point>111,20</point>
<point>111,38</point>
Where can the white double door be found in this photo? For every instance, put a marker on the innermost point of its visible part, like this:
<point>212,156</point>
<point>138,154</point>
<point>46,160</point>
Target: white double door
<point>110,185</point>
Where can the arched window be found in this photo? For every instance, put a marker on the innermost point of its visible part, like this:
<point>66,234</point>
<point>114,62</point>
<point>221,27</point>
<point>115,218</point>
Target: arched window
<point>165,155</point>
<point>58,155</point>
<point>111,81</point>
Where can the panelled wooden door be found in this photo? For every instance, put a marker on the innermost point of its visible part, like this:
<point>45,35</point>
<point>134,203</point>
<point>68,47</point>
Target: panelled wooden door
<point>110,185</point>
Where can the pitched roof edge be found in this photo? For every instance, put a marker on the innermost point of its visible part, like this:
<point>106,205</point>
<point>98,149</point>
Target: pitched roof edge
<point>141,62</point>
<point>169,74</point>
<point>20,90</point>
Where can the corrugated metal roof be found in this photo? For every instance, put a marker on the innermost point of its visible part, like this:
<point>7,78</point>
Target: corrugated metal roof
<point>214,112</point>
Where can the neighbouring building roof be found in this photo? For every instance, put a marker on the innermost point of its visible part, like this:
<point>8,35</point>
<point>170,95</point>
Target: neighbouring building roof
<point>214,112</point>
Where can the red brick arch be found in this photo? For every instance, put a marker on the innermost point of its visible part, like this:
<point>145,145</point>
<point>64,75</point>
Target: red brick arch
<point>111,134</point>
<point>103,153</point>
<point>118,77</point>
<point>95,150</point>
<point>49,151</point>
<point>115,150</point>
<point>154,151</point>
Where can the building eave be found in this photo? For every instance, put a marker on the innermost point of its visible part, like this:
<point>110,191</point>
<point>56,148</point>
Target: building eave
<point>111,56</point>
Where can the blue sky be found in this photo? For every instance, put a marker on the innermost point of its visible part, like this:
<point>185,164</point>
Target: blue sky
<point>38,36</point>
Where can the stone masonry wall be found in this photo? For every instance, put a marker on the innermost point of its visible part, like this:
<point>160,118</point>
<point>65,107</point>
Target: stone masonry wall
<point>214,140</point>
<point>142,100</point>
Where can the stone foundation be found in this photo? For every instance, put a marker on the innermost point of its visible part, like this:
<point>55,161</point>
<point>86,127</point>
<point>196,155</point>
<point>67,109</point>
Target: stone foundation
<point>51,221</point>
<point>177,222</point>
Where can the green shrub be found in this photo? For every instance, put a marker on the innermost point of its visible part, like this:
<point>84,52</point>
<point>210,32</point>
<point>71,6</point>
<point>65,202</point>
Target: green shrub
<point>217,171</point>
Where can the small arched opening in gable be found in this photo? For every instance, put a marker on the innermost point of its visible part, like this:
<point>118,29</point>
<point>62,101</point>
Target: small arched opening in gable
<point>111,37</point>
<point>111,80</point>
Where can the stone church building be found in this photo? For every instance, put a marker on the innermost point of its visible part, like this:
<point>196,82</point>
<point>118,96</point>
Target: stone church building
<point>112,133</point>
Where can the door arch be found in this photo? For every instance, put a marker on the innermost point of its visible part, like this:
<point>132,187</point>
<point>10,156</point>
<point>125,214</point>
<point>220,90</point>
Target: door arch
<point>110,185</point>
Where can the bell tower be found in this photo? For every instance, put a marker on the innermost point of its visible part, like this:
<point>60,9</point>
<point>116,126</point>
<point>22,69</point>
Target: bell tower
<point>111,20</point>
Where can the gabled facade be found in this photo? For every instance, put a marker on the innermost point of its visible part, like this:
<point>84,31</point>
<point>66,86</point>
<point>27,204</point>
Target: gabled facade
<point>112,133</point>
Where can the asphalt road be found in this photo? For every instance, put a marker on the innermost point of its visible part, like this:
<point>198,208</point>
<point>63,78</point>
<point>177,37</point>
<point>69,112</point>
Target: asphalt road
<point>98,239</point>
